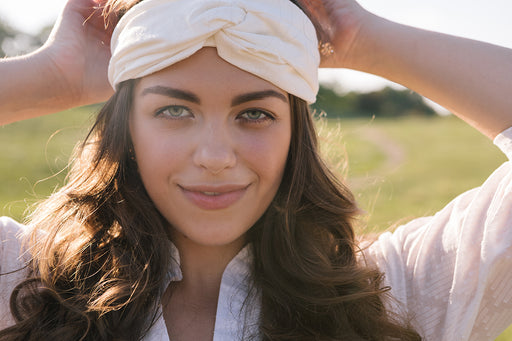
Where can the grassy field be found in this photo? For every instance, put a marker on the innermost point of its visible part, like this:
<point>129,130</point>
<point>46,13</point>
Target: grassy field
<point>398,169</point>
<point>34,156</point>
<point>408,168</point>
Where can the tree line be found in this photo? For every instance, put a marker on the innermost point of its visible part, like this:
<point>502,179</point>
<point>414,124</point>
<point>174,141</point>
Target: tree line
<point>387,102</point>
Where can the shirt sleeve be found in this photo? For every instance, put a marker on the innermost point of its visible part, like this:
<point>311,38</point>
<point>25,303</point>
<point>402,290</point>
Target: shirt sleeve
<point>12,265</point>
<point>452,272</point>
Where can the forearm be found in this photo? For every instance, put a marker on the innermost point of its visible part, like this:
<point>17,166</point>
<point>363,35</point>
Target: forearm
<point>472,79</point>
<point>30,87</point>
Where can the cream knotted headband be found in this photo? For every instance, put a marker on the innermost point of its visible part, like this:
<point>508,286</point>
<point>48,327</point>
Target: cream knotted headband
<point>272,39</point>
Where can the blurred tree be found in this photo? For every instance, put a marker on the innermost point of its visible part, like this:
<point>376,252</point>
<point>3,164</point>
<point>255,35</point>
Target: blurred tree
<point>6,32</point>
<point>13,42</point>
<point>42,36</point>
<point>387,102</point>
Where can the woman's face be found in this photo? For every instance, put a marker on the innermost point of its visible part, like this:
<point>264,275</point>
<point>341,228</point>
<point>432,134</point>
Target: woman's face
<point>211,143</point>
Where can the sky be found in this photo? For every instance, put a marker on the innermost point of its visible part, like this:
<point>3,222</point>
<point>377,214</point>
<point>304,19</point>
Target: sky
<point>489,21</point>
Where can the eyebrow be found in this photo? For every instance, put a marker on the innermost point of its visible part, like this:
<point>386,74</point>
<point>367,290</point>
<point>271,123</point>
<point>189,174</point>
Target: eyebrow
<point>171,92</point>
<point>256,95</point>
<point>191,97</point>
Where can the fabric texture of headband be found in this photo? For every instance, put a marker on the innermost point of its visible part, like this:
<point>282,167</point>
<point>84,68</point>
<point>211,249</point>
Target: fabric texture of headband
<point>272,39</point>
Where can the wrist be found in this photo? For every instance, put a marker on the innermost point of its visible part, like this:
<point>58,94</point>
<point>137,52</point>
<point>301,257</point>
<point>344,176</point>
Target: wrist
<point>30,87</point>
<point>365,50</point>
<point>61,93</point>
<point>353,37</point>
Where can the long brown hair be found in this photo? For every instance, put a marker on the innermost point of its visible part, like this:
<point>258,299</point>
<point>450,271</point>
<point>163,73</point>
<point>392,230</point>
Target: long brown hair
<point>101,254</point>
<point>100,251</point>
<point>308,266</point>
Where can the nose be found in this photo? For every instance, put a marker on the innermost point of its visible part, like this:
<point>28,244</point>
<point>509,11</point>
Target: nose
<point>215,150</point>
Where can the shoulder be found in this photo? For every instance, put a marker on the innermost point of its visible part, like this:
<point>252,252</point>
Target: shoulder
<point>11,236</point>
<point>13,260</point>
<point>446,269</point>
<point>478,220</point>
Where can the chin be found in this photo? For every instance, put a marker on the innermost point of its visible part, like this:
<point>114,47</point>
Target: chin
<point>209,234</point>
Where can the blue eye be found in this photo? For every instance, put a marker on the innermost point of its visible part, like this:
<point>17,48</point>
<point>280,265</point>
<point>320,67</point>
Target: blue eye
<point>174,111</point>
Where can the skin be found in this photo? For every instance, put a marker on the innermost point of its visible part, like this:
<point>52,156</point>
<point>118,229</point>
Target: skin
<point>470,78</point>
<point>229,136</point>
<point>68,71</point>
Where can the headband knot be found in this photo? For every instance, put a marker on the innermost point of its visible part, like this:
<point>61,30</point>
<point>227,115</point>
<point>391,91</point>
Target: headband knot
<point>272,39</point>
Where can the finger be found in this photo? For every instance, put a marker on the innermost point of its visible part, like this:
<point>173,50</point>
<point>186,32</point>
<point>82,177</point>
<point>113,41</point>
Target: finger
<point>317,12</point>
<point>94,16</point>
<point>107,15</point>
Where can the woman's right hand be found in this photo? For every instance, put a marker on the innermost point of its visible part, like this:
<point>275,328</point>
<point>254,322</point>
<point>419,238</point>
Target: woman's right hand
<point>79,49</point>
<point>69,70</point>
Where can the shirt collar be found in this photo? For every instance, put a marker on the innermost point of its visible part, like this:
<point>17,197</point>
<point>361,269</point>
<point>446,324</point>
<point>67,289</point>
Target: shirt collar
<point>238,307</point>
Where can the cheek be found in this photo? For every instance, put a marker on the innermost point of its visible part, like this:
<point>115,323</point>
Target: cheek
<point>267,153</point>
<point>158,156</point>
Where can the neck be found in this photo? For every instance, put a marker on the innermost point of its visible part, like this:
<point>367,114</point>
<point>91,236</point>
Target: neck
<point>202,266</point>
<point>193,301</point>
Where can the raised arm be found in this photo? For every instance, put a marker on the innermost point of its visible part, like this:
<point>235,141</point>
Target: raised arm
<point>470,78</point>
<point>68,71</point>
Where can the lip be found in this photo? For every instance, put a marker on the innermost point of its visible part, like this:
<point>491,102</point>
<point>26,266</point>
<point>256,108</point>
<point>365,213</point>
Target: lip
<point>216,197</point>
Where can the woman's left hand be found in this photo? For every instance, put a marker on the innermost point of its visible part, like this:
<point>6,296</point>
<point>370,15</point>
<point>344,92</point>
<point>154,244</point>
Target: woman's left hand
<point>342,22</point>
<point>472,79</point>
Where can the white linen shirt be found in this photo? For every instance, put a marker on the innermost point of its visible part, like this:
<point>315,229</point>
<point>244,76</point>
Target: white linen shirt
<point>451,271</point>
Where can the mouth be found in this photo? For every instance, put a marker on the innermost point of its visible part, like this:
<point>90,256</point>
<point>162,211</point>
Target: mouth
<point>214,197</point>
<point>211,194</point>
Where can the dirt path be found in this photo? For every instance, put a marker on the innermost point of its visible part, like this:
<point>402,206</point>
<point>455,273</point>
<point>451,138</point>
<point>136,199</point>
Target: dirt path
<point>393,151</point>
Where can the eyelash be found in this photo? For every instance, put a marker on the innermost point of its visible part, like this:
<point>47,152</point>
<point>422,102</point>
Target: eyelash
<point>161,112</point>
<point>266,115</point>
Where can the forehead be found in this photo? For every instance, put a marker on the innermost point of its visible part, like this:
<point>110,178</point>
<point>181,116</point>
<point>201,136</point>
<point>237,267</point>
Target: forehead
<point>205,71</point>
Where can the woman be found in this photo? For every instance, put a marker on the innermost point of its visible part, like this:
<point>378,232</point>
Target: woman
<point>199,199</point>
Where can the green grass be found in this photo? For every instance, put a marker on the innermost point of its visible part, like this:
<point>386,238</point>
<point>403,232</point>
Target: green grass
<point>439,159</point>
<point>34,156</point>
<point>442,157</point>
